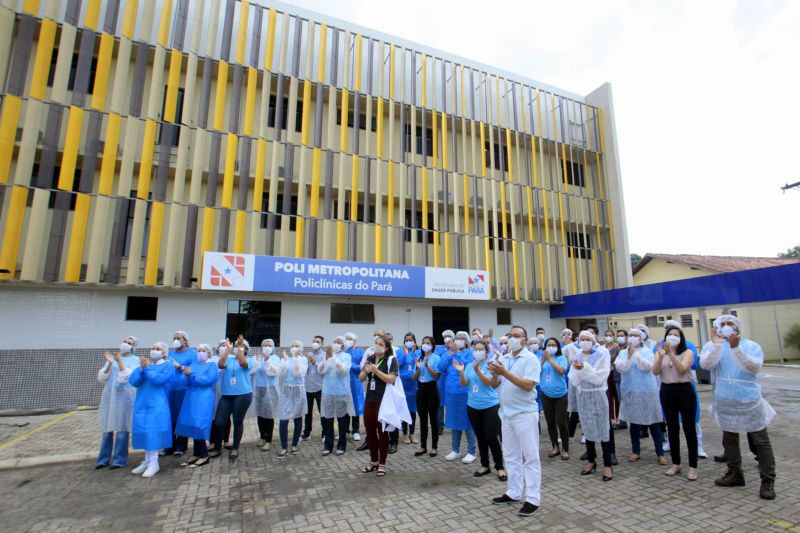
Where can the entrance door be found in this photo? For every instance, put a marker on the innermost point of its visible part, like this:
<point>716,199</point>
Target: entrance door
<point>455,318</point>
<point>255,320</point>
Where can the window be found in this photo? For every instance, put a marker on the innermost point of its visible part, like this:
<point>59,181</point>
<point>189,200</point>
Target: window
<point>497,155</point>
<point>362,120</point>
<point>53,186</point>
<point>279,211</point>
<point>298,119</point>
<point>687,321</point>
<point>651,321</point>
<point>73,69</point>
<point>574,174</point>
<point>359,211</point>
<point>129,223</point>
<point>501,242</point>
<point>352,314</point>
<point>410,227</point>
<point>141,308</point>
<point>255,319</point>
<point>174,126</point>
<point>428,140</point>
<point>579,245</point>
<point>504,316</point>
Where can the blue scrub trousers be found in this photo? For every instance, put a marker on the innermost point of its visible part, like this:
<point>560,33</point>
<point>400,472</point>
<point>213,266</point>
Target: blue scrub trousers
<point>283,431</point>
<point>119,449</point>
<point>471,440</point>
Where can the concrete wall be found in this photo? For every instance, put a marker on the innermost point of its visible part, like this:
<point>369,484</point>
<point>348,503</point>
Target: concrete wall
<point>659,271</point>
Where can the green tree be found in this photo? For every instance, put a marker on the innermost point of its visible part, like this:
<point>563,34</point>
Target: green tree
<point>792,337</point>
<point>791,252</point>
<point>635,258</point>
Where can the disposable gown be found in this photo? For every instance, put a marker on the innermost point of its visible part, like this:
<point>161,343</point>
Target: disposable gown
<point>197,411</point>
<point>356,387</point>
<point>116,403</point>
<point>591,383</point>
<point>292,400</point>
<point>640,402</point>
<point>737,403</point>
<point>571,351</point>
<point>337,399</point>
<point>152,425</point>
<point>267,387</point>
<point>406,361</point>
<point>444,363</point>
<point>455,403</point>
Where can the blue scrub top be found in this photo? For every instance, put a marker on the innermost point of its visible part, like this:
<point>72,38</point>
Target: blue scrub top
<point>553,384</point>
<point>480,395</point>
<point>235,380</point>
<point>453,378</point>
<point>433,362</point>
<point>406,361</point>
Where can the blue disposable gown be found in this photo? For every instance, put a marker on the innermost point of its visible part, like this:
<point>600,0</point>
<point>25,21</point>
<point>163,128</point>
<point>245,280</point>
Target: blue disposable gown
<point>356,387</point>
<point>407,360</point>
<point>197,411</point>
<point>116,403</point>
<point>152,425</point>
<point>455,402</point>
<point>444,363</point>
<point>184,358</point>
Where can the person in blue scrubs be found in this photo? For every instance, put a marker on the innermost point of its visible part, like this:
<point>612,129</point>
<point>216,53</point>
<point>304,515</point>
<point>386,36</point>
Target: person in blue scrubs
<point>456,418</point>
<point>181,356</point>
<point>554,397</point>
<point>152,426</point>
<point>426,373</point>
<point>483,407</point>
<point>407,357</point>
<point>197,412</point>
<point>443,351</point>
<point>237,394</point>
<point>116,405</point>
<point>356,387</point>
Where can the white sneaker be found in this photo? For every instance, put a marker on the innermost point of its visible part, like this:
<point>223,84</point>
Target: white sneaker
<point>702,453</point>
<point>151,471</point>
<point>666,446</point>
<point>261,442</point>
<point>583,440</point>
<point>139,469</point>
<point>468,459</point>
<point>452,456</point>
<point>356,436</point>
<point>266,447</point>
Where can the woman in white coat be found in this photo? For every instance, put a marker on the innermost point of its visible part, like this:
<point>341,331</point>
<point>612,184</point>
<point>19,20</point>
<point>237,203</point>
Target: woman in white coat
<point>293,403</point>
<point>266,392</point>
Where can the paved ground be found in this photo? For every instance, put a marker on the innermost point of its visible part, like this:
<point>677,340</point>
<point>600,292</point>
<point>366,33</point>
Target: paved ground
<point>308,492</point>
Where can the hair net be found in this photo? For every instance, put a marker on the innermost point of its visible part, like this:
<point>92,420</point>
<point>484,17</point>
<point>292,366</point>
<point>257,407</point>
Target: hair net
<point>206,347</point>
<point>636,330</point>
<point>183,335</point>
<point>351,335</point>
<point>298,342</point>
<point>587,333</point>
<point>448,333</point>
<point>463,335</point>
<point>728,318</point>
<point>644,329</point>
<point>339,338</point>
<point>265,341</point>
<point>503,339</point>
<point>163,345</point>
<point>669,324</point>
<point>135,340</point>
<point>565,331</point>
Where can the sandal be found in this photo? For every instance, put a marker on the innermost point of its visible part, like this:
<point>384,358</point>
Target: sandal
<point>420,452</point>
<point>381,471</point>
<point>200,462</point>
<point>565,456</point>
<point>555,453</point>
<point>674,470</point>
<point>633,458</point>
<point>190,461</point>
<point>370,468</point>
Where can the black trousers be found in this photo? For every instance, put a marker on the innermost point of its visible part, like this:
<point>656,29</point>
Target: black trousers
<point>762,448</point>
<point>555,413</point>
<point>228,406</point>
<point>428,409</point>
<point>592,451</point>
<point>394,436</point>
<point>573,423</point>
<point>485,423</point>
<point>311,397</point>
<point>265,427</point>
<point>680,407</point>
<point>343,423</point>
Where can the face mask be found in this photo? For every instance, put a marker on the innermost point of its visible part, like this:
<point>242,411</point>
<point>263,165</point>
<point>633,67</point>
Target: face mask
<point>552,350</point>
<point>514,344</point>
<point>267,350</point>
<point>177,344</point>
<point>621,340</point>
<point>448,340</point>
<point>609,339</point>
<point>480,355</point>
<point>460,344</point>
<point>673,340</point>
<point>633,341</point>
<point>156,354</point>
<point>348,344</point>
<point>378,349</point>
<point>586,345</point>
<point>375,338</point>
<point>427,348</point>
<point>726,331</point>
<point>336,347</point>
<point>295,350</point>
<point>315,346</point>
<point>125,347</point>
<point>540,337</point>
<point>220,350</point>
<point>503,348</point>
<point>202,356</point>
<point>535,347</point>
<point>409,344</point>
<point>476,338</point>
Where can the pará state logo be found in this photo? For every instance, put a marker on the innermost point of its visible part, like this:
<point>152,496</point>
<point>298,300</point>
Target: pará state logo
<point>476,284</point>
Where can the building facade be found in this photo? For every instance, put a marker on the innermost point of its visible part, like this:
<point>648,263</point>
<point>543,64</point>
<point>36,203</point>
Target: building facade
<point>137,135</point>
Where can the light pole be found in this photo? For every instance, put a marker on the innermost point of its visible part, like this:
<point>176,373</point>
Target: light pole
<point>790,186</point>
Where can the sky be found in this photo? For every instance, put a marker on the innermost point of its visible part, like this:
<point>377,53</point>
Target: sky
<point>705,100</point>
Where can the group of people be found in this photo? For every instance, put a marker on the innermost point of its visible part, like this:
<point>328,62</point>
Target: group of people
<point>488,390</point>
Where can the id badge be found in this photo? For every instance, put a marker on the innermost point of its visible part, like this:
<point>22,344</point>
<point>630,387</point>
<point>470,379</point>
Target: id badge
<point>371,385</point>
<point>549,377</point>
<point>233,381</point>
<point>475,388</point>
<point>410,368</point>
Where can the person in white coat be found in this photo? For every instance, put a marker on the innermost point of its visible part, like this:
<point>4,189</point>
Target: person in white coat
<point>337,399</point>
<point>293,403</point>
<point>737,403</point>
<point>116,404</point>
<point>266,392</point>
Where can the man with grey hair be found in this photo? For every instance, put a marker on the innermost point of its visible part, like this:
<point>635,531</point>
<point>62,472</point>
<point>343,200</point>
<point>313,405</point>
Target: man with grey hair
<point>737,403</point>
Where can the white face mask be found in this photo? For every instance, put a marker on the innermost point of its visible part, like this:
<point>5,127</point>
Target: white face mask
<point>673,340</point>
<point>156,354</point>
<point>202,356</point>
<point>177,344</point>
<point>480,355</point>
<point>609,340</point>
<point>315,346</point>
<point>427,348</point>
<point>621,340</point>
<point>514,344</point>
<point>503,347</point>
<point>552,350</point>
<point>348,344</point>
<point>378,349</point>
<point>409,344</point>
<point>336,347</point>
<point>540,337</point>
<point>448,340</point>
<point>267,350</point>
<point>634,341</point>
<point>726,331</point>
<point>295,350</point>
<point>460,344</point>
<point>586,346</point>
<point>125,347</point>
<point>535,346</point>
<point>476,338</point>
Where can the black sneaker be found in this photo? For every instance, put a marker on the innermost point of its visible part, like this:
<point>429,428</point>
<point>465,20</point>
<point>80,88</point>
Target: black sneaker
<point>732,478</point>
<point>767,491</point>
<point>614,461</point>
<point>392,448</point>
<point>505,498</point>
<point>527,509</point>
<point>721,458</point>
<point>363,447</point>
<point>585,456</point>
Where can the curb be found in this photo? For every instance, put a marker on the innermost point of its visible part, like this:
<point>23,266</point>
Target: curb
<point>45,460</point>
<point>778,365</point>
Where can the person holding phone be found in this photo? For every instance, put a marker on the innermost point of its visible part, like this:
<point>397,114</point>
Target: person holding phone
<point>554,397</point>
<point>237,393</point>
<point>426,373</point>
<point>380,369</point>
